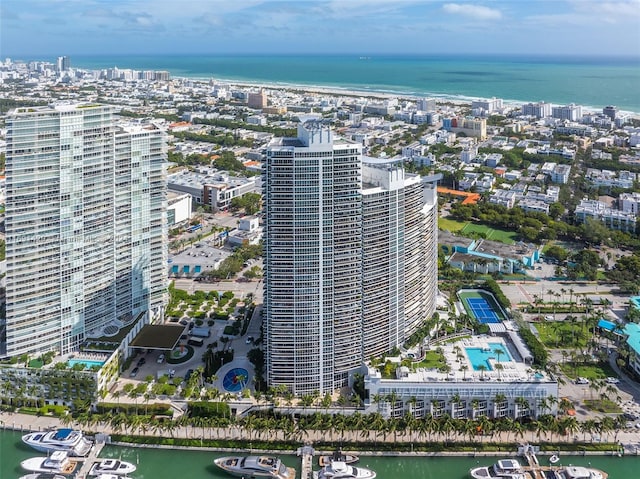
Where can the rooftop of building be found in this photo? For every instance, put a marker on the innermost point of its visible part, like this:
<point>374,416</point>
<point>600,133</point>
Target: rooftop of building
<point>471,359</point>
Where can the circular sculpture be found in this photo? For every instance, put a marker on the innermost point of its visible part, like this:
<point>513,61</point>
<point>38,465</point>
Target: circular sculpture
<point>235,380</point>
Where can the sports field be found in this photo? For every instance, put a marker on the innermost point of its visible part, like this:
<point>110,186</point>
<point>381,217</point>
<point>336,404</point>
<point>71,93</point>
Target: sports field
<point>481,305</point>
<point>503,236</point>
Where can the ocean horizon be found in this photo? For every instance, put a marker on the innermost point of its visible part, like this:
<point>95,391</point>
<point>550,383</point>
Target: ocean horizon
<point>590,81</point>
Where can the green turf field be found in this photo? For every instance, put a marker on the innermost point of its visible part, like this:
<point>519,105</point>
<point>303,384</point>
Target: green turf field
<point>503,236</point>
<point>451,225</point>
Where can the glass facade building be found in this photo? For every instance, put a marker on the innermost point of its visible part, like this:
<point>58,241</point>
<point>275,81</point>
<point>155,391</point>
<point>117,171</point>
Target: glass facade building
<point>328,241</point>
<point>85,225</point>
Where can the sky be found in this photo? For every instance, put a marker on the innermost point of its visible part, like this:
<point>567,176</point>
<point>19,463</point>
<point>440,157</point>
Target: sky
<point>33,29</point>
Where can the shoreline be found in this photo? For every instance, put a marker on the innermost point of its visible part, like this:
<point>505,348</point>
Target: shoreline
<point>358,89</point>
<point>456,99</point>
<point>617,449</point>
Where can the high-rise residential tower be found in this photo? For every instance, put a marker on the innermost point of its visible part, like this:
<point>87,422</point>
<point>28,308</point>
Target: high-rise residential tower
<point>350,259</point>
<point>400,255</point>
<point>312,260</point>
<point>85,225</point>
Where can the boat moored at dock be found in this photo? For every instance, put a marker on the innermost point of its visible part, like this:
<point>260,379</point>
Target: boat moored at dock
<point>72,441</point>
<point>503,469</point>
<point>337,456</point>
<point>512,469</point>
<point>256,467</point>
<point>57,463</point>
<point>342,470</point>
<point>113,467</point>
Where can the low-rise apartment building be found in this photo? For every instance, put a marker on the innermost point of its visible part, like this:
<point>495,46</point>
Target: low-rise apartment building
<point>611,217</point>
<point>211,188</point>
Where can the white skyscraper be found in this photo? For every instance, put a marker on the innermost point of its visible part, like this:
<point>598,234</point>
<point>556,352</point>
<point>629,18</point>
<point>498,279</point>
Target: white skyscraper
<point>85,225</point>
<point>325,237</point>
<point>400,254</point>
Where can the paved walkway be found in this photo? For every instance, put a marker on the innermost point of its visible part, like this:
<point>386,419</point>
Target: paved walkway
<point>630,439</point>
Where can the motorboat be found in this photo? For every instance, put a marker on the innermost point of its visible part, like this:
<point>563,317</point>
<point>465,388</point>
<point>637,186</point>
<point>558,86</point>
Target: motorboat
<point>554,459</point>
<point>70,440</point>
<point>42,475</point>
<point>342,470</point>
<point>580,472</point>
<point>113,467</point>
<point>110,476</point>
<point>337,456</point>
<point>57,463</point>
<point>255,466</point>
<point>503,469</point>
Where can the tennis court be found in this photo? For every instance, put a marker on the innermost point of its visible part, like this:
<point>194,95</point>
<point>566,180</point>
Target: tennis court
<point>482,306</point>
<point>482,310</point>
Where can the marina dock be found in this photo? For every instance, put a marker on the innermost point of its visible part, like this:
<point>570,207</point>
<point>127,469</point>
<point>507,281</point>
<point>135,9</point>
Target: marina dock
<point>306,453</point>
<point>100,441</point>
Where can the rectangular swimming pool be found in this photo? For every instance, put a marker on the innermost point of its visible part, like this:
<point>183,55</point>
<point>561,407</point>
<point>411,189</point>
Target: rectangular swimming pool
<point>88,363</point>
<point>480,356</point>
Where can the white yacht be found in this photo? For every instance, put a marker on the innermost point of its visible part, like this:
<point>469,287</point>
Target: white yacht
<point>342,470</point>
<point>69,440</point>
<point>111,467</point>
<point>256,467</point>
<point>110,476</point>
<point>579,472</point>
<point>42,475</point>
<point>57,463</point>
<point>503,469</point>
<point>337,456</point>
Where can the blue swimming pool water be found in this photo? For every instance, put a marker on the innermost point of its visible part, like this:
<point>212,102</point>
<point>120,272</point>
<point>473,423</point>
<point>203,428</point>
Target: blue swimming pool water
<point>635,300</point>
<point>235,380</point>
<point>479,357</point>
<point>88,363</point>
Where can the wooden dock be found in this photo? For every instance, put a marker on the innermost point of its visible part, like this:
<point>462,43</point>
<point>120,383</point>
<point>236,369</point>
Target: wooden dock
<point>99,443</point>
<point>306,453</point>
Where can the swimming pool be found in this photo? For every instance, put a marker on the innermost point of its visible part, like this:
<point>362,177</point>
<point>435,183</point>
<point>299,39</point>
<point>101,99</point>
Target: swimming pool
<point>235,380</point>
<point>635,300</point>
<point>88,363</point>
<point>481,356</point>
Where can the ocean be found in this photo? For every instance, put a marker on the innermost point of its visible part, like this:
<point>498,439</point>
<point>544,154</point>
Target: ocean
<point>588,81</point>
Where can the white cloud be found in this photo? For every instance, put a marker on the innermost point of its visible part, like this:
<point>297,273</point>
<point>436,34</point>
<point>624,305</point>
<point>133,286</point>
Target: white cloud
<point>474,11</point>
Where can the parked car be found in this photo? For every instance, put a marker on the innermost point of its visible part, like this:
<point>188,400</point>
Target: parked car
<point>188,375</point>
<point>611,380</point>
<point>582,381</point>
<point>160,359</point>
<point>249,340</point>
<point>134,372</point>
<point>141,361</point>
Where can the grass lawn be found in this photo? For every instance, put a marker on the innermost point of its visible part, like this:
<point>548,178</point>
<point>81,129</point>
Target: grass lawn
<point>432,360</point>
<point>591,371</point>
<point>560,334</point>
<point>451,225</point>
<point>603,405</point>
<point>508,237</point>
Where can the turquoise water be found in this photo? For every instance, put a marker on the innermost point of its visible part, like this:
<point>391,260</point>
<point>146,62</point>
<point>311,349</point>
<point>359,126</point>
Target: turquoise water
<point>635,300</point>
<point>594,82</point>
<point>480,357</point>
<point>157,463</point>
<point>88,363</point>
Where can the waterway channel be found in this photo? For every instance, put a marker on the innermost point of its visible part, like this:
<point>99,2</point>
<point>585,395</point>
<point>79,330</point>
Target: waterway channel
<point>155,463</point>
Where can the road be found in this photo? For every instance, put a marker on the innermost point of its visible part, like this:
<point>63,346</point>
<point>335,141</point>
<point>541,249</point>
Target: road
<point>240,289</point>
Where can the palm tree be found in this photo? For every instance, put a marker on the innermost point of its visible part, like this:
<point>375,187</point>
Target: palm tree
<point>482,368</point>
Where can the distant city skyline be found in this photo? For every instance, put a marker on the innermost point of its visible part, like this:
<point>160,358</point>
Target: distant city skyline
<point>30,28</point>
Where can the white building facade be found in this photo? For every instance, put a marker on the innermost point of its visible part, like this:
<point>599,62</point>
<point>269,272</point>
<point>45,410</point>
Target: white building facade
<point>338,234</point>
<point>86,225</point>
